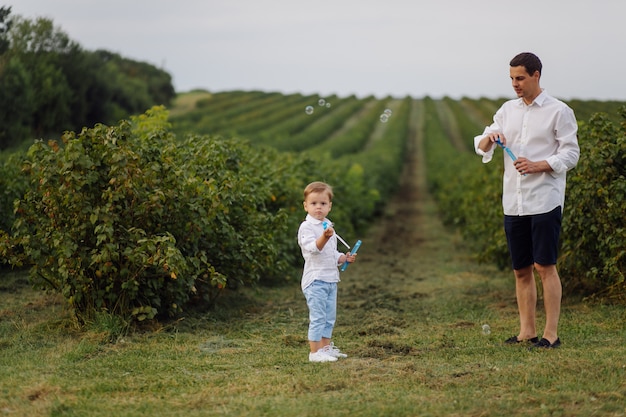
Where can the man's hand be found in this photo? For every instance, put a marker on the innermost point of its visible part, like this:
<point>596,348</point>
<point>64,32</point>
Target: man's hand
<point>525,166</point>
<point>487,142</point>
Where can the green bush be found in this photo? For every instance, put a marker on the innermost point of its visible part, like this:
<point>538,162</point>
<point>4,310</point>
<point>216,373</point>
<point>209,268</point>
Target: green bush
<point>125,219</point>
<point>594,226</point>
<point>13,185</point>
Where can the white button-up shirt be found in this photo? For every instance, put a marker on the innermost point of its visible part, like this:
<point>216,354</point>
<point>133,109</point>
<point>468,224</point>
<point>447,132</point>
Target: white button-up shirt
<point>544,130</point>
<point>322,264</point>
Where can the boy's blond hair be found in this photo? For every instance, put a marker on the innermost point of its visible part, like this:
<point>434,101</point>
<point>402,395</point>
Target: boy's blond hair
<point>318,187</point>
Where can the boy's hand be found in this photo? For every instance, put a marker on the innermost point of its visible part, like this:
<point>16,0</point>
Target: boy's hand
<point>323,239</point>
<point>350,258</point>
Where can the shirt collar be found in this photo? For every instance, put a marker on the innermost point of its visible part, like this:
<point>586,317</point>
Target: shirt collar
<point>313,220</point>
<point>539,100</point>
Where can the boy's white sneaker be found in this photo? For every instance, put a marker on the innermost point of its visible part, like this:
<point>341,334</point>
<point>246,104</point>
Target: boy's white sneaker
<point>334,351</point>
<point>321,356</point>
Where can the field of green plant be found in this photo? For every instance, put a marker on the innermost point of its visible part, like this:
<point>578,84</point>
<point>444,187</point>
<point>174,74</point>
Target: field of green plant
<point>167,247</point>
<point>140,219</point>
<point>343,129</point>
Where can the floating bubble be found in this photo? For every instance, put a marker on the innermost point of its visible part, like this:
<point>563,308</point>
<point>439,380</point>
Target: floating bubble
<point>384,118</point>
<point>486,329</point>
<point>328,105</point>
<point>321,102</point>
<point>388,112</point>
<point>309,109</point>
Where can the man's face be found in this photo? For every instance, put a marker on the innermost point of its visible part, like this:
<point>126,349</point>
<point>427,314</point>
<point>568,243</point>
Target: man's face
<point>526,86</point>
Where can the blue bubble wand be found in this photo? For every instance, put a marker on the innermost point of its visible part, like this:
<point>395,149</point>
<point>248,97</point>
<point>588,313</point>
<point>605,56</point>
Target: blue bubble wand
<point>507,150</point>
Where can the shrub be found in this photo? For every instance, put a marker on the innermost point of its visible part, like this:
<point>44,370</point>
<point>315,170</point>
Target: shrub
<point>594,227</point>
<point>13,185</point>
<point>126,220</point>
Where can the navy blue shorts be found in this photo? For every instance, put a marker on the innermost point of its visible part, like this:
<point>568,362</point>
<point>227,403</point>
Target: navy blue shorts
<point>533,239</point>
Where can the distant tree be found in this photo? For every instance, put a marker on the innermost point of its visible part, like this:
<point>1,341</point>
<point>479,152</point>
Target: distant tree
<point>5,25</point>
<point>15,115</point>
<point>37,90</point>
<point>52,100</point>
<point>38,36</point>
<point>137,85</point>
<point>158,82</point>
<point>49,84</point>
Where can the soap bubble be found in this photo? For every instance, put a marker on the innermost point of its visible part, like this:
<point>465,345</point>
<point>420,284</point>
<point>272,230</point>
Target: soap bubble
<point>328,105</point>
<point>321,102</point>
<point>388,112</point>
<point>309,109</point>
<point>486,329</point>
<point>384,118</point>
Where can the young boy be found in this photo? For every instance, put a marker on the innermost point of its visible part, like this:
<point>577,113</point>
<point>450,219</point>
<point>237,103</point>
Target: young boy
<point>318,243</point>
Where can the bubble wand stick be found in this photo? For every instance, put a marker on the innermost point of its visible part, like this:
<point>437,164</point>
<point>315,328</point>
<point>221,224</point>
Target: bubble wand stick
<point>325,225</point>
<point>357,245</point>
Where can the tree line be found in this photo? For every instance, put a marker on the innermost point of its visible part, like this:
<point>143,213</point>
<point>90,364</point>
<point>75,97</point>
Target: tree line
<point>49,83</point>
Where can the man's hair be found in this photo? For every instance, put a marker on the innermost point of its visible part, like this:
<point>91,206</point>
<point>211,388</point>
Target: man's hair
<point>318,187</point>
<point>527,60</point>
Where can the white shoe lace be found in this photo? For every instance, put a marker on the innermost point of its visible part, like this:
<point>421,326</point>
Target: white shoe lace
<point>334,351</point>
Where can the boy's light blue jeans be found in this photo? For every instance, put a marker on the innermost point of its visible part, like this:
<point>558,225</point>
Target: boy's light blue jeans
<point>321,297</point>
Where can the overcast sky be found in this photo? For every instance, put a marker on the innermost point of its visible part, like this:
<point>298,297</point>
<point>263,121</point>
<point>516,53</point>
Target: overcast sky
<point>438,48</point>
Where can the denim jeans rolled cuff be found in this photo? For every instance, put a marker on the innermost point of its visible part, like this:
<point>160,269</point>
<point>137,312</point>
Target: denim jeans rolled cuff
<point>321,298</point>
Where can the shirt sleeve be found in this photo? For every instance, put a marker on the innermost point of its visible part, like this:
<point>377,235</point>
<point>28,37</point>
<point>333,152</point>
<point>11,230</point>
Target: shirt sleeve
<point>494,127</point>
<point>307,239</point>
<point>568,151</point>
<point>487,156</point>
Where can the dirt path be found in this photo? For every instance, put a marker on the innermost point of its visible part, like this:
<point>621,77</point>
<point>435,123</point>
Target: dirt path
<point>409,263</point>
<point>400,230</point>
<point>399,247</point>
<point>413,280</point>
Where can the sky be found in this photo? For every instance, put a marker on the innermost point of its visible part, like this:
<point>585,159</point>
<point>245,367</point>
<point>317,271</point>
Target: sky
<point>437,48</point>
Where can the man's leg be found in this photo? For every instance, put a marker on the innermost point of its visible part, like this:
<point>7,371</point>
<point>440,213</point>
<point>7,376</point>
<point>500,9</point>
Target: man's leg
<point>552,293</point>
<point>526,293</point>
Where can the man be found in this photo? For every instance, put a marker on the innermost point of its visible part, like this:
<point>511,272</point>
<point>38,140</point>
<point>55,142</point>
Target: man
<point>541,133</point>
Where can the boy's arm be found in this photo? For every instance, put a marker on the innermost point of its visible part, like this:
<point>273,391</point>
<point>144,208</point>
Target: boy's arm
<point>308,241</point>
<point>324,238</point>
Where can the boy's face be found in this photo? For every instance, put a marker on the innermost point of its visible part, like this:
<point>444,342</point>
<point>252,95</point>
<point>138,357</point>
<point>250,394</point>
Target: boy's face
<point>318,205</point>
